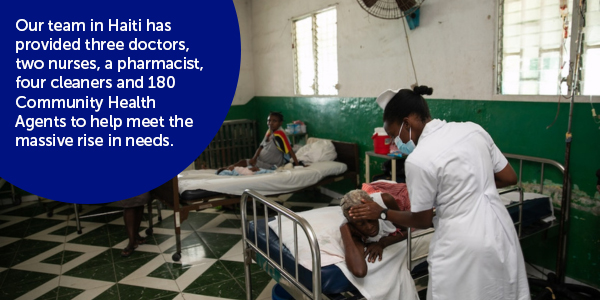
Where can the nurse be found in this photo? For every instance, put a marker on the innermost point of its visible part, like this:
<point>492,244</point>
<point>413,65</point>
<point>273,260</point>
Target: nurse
<point>455,168</point>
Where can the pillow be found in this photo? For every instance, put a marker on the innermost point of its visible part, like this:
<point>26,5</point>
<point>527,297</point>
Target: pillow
<point>320,150</point>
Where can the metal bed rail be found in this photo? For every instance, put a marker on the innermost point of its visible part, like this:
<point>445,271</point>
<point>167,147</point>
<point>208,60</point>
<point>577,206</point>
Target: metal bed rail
<point>518,188</point>
<point>250,245</point>
<point>235,140</point>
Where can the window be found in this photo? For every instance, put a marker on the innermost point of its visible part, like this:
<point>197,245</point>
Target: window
<point>315,53</point>
<point>533,56</point>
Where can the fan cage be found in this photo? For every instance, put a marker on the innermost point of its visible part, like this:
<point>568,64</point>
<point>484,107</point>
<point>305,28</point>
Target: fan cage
<point>390,9</point>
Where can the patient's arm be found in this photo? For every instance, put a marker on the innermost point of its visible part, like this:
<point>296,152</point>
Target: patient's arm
<point>375,250</point>
<point>296,162</point>
<point>253,159</point>
<point>353,251</point>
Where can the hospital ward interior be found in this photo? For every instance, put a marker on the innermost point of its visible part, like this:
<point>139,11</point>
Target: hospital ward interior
<point>317,187</point>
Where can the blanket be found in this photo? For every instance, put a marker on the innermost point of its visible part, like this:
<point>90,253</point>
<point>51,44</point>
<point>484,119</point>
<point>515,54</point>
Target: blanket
<point>386,279</point>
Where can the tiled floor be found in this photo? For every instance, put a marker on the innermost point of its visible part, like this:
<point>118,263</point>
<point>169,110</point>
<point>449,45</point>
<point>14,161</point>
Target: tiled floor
<point>44,258</point>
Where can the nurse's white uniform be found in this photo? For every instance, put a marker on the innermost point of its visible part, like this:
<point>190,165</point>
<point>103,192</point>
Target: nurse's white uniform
<point>475,252</point>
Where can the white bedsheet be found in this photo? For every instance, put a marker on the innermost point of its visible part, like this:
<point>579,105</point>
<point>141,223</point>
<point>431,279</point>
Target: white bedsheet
<point>266,184</point>
<point>386,279</point>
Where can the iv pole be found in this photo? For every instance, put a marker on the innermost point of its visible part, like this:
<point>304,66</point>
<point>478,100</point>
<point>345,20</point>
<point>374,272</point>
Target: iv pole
<point>576,51</point>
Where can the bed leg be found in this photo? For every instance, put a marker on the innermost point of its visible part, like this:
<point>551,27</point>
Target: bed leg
<point>247,264</point>
<point>177,255</point>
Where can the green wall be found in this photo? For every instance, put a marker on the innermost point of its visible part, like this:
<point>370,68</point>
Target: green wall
<point>517,127</point>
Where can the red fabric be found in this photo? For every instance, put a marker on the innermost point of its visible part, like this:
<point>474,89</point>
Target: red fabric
<point>397,190</point>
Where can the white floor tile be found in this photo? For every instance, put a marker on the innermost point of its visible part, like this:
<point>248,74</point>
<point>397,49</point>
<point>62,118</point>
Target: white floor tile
<point>40,290</point>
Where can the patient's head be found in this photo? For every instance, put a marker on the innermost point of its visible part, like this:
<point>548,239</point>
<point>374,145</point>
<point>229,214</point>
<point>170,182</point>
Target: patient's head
<point>274,120</point>
<point>353,198</point>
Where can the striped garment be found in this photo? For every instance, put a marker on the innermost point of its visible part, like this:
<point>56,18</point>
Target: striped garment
<point>281,140</point>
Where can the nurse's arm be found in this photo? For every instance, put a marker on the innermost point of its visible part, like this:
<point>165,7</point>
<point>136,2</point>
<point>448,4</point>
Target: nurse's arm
<point>506,177</point>
<point>372,211</point>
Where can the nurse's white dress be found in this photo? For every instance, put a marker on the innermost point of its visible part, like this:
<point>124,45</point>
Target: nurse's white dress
<point>475,252</point>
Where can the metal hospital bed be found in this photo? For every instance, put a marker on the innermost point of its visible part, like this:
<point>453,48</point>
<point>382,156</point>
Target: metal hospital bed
<point>262,245</point>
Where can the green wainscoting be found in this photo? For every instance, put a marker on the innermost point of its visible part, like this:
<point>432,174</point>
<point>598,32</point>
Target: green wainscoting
<point>517,127</point>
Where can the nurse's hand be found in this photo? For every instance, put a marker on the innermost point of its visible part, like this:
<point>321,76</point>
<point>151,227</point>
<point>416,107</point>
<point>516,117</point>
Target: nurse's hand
<point>366,211</point>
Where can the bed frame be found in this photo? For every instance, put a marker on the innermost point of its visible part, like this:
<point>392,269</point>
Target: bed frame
<point>291,283</point>
<point>421,282</point>
<point>168,193</point>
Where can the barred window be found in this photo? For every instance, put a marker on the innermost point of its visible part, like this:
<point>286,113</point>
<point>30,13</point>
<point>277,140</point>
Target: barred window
<point>315,53</point>
<point>534,45</point>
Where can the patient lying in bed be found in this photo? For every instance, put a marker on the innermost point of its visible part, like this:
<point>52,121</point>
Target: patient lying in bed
<point>364,240</point>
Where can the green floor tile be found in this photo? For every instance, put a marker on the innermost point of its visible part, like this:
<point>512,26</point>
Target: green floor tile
<point>3,221</point>
<point>199,219</point>
<point>236,268</point>
<point>220,243</point>
<point>27,211</point>
<point>17,290</point>
<point>259,281</point>
<point>110,294</point>
<point>10,248</point>
<point>96,237</point>
<point>31,248</point>
<point>7,259</point>
<point>157,239</point>
<point>169,224</point>
<point>18,277</point>
<point>62,257</point>
<point>64,231</point>
<point>194,241</point>
<point>62,293</point>
<point>100,267</point>
<point>169,271</point>
<point>126,266</point>
<point>130,292</point>
<point>230,223</point>
<point>215,274</point>
<point>226,289</point>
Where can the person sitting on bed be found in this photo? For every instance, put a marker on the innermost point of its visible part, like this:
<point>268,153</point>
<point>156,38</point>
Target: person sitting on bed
<point>273,148</point>
<point>364,240</point>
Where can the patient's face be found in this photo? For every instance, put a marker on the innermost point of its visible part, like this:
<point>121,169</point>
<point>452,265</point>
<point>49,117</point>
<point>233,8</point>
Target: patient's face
<point>368,228</point>
<point>273,122</point>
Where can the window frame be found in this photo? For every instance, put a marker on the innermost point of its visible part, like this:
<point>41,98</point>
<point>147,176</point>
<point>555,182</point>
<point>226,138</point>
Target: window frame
<point>293,20</point>
<point>497,76</point>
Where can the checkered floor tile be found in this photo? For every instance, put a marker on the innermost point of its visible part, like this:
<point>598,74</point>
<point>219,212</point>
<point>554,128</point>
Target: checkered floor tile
<point>43,257</point>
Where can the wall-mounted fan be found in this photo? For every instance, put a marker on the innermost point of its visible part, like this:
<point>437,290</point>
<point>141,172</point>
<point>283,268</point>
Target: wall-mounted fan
<point>394,9</point>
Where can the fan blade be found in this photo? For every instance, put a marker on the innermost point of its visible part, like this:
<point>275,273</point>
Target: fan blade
<point>369,3</point>
<point>405,5</point>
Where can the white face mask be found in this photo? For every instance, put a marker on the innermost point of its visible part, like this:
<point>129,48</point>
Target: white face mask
<point>405,148</point>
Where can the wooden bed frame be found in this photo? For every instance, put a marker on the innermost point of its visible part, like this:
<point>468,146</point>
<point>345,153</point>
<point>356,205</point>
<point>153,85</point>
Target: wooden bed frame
<point>168,193</point>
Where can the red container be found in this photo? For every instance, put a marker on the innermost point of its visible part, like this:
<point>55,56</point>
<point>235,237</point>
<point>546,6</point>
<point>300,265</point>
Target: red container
<point>381,143</point>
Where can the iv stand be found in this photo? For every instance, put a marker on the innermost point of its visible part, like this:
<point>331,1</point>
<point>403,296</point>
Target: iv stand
<point>576,51</point>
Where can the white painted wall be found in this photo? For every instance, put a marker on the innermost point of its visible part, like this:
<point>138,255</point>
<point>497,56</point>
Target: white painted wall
<point>245,87</point>
<point>453,48</point>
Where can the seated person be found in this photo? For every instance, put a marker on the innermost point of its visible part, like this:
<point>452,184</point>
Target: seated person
<point>366,239</point>
<point>270,154</point>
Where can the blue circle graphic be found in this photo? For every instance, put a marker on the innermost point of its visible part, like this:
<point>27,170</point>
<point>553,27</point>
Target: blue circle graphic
<point>103,101</point>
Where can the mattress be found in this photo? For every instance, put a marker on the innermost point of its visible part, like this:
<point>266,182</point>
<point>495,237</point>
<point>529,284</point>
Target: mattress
<point>333,280</point>
<point>267,184</point>
<point>537,209</point>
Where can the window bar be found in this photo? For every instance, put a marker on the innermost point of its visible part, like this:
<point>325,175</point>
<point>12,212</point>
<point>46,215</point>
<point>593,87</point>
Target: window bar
<point>500,47</point>
<point>295,50</point>
<point>315,55</point>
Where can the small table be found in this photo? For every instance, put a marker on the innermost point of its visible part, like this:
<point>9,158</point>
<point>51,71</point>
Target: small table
<point>300,135</point>
<point>367,164</point>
